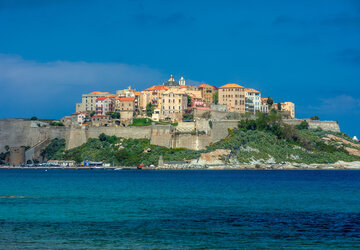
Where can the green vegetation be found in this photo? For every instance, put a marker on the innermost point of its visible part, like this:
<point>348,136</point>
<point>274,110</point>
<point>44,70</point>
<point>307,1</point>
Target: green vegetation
<point>264,139</point>
<point>57,124</point>
<point>189,101</point>
<point>188,117</point>
<point>34,118</point>
<point>92,114</point>
<point>216,97</point>
<point>54,150</point>
<point>270,101</point>
<point>114,115</point>
<point>141,122</point>
<point>267,137</point>
<point>315,118</point>
<point>149,109</point>
<point>125,152</point>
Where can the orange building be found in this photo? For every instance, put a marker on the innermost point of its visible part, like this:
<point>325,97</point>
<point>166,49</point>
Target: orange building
<point>232,95</point>
<point>207,92</point>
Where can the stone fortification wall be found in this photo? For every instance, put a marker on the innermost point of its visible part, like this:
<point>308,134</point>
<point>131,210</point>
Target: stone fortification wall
<point>21,132</point>
<point>324,125</point>
<point>195,142</point>
<point>220,129</point>
<point>78,136</point>
<point>214,114</point>
<point>162,135</point>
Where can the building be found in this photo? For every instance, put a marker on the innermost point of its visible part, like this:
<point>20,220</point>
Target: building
<point>88,101</point>
<point>252,100</point>
<point>100,120</point>
<point>67,121</point>
<point>171,82</point>
<point>173,105</point>
<point>126,107</point>
<point>104,105</point>
<point>207,92</point>
<point>151,95</point>
<point>182,81</point>
<point>249,105</point>
<point>232,95</point>
<point>79,118</point>
<point>264,106</point>
<point>289,107</point>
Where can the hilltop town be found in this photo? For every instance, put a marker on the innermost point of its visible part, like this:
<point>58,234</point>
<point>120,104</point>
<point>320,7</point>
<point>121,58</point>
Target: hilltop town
<point>189,126</point>
<point>171,102</point>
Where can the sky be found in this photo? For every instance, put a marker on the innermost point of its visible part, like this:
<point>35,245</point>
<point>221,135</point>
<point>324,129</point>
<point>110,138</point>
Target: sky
<point>307,52</point>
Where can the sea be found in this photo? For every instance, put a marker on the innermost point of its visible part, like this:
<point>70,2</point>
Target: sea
<point>138,209</point>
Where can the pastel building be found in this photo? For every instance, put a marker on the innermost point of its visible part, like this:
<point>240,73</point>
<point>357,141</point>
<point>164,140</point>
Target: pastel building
<point>233,96</point>
<point>104,105</point>
<point>88,101</point>
<point>253,100</point>
<point>289,107</point>
<point>173,105</point>
<point>207,92</point>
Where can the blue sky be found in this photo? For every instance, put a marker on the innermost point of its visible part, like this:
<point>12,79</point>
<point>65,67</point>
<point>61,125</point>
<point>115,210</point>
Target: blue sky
<point>308,52</point>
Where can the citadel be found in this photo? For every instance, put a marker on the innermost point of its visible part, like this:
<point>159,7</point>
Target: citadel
<point>172,114</point>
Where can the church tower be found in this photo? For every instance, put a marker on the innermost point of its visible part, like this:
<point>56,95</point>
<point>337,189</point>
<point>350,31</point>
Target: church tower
<point>182,81</point>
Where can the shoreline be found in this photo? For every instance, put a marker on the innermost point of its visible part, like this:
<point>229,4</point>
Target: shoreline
<point>224,167</point>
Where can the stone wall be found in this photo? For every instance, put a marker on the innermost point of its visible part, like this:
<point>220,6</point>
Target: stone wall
<point>21,132</point>
<point>162,135</point>
<point>220,129</point>
<point>78,136</point>
<point>324,125</point>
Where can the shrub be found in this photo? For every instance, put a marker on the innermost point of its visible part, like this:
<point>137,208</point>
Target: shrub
<point>303,125</point>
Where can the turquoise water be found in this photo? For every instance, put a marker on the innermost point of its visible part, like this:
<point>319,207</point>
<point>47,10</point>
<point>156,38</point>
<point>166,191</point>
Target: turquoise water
<point>105,209</point>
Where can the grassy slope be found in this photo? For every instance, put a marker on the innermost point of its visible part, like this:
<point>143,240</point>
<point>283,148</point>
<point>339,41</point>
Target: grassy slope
<point>253,141</point>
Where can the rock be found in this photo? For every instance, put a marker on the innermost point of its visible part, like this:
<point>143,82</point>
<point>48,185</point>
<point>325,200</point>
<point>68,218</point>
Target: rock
<point>212,158</point>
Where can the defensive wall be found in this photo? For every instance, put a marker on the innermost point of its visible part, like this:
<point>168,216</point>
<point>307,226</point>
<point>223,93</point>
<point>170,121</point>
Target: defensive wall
<point>193,135</point>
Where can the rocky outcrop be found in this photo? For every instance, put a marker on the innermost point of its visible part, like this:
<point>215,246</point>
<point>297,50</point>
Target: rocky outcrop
<point>212,158</point>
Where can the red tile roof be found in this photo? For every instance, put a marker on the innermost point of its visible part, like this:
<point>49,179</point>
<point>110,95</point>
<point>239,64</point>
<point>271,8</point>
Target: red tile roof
<point>102,98</point>
<point>126,99</point>
<point>231,85</point>
<point>161,87</point>
<point>251,91</point>
<point>98,93</point>
<point>101,116</point>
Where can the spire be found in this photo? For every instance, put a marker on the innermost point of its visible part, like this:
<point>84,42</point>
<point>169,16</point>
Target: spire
<point>171,79</point>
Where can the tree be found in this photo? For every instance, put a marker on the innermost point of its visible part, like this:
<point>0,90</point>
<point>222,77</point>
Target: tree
<point>189,101</point>
<point>7,148</point>
<point>149,109</point>
<point>102,137</point>
<point>315,118</point>
<point>270,101</point>
<point>279,106</point>
<point>216,97</point>
<point>303,125</point>
<point>92,114</point>
<point>34,118</point>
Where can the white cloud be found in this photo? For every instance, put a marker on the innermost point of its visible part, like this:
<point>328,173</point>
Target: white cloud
<point>14,70</point>
<point>338,104</point>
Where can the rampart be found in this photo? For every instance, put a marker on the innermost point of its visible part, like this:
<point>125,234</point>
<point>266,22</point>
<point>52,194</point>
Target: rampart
<point>324,125</point>
<point>196,135</point>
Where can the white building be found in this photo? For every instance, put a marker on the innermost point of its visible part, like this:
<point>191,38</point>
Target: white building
<point>253,96</point>
<point>104,105</point>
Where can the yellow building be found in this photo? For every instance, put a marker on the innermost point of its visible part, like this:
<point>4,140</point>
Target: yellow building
<point>290,107</point>
<point>173,105</point>
<point>207,92</point>
<point>232,95</point>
